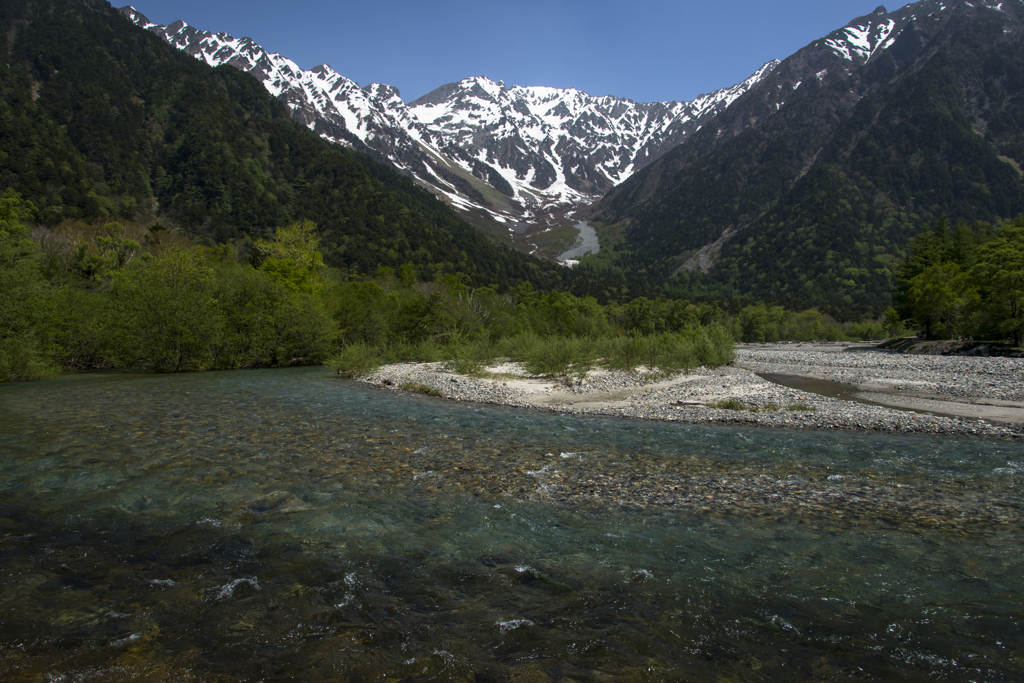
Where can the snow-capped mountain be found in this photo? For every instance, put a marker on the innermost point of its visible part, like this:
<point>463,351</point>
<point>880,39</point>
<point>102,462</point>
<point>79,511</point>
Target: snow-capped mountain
<point>550,148</point>
<point>525,156</point>
<point>529,156</point>
<point>808,188</point>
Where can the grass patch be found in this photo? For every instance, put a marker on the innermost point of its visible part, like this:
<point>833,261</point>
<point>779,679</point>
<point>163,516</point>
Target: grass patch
<point>417,388</point>
<point>732,404</point>
<point>498,375</point>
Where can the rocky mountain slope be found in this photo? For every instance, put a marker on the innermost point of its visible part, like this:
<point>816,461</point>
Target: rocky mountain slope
<point>524,157</point>
<point>807,188</point>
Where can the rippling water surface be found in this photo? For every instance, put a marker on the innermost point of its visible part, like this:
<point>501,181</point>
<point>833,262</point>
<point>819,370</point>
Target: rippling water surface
<point>263,525</point>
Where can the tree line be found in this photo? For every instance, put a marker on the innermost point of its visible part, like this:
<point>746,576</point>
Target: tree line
<point>119,294</point>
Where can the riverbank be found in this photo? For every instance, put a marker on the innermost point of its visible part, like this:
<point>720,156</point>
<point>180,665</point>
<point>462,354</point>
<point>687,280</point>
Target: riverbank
<point>952,395</point>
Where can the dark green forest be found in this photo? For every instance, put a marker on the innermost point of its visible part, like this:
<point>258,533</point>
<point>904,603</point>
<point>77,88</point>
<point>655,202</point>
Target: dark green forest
<point>965,281</point>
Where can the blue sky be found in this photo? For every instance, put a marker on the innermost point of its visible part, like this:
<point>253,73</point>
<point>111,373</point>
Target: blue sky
<point>645,50</point>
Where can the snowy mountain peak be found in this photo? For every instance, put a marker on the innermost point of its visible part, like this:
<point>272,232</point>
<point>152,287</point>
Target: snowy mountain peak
<point>546,151</point>
<point>859,42</point>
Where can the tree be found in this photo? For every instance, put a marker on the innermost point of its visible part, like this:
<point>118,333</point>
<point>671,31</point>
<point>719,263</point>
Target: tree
<point>891,321</point>
<point>754,324</point>
<point>999,270</point>
<point>25,295</point>
<point>941,293</point>
<point>293,257</point>
<point>106,253</point>
<point>165,316</point>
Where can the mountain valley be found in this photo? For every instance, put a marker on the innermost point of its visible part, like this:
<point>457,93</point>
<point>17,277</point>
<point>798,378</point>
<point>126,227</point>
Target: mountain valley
<point>801,185</point>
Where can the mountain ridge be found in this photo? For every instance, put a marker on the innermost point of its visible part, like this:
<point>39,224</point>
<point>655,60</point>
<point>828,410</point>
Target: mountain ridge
<point>808,188</point>
<point>537,156</point>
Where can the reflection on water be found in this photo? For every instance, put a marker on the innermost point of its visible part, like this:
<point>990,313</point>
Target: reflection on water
<point>285,523</point>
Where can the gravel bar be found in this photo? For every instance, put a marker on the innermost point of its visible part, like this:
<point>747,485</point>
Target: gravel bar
<point>924,394</point>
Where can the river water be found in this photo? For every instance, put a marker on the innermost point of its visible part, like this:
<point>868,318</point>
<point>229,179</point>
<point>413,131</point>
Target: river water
<point>586,243</point>
<point>262,525</point>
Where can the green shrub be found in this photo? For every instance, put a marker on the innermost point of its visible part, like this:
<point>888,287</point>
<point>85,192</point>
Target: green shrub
<point>559,356</point>
<point>623,352</point>
<point>423,351</point>
<point>358,359</point>
<point>470,357</point>
<point>709,346</point>
<point>732,404</point>
<point>417,388</point>
<point>518,347</point>
<point>713,345</point>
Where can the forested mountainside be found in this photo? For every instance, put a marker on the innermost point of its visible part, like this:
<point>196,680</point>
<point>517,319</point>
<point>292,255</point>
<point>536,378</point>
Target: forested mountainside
<point>521,156</point>
<point>100,119</point>
<point>808,188</point>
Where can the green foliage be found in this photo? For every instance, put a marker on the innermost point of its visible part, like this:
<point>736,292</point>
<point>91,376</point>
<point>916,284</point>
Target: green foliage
<point>105,254</point>
<point>469,357</point>
<point>424,351</point>
<point>27,298</point>
<point>624,352</point>
<point>298,243</point>
<point>999,273</point>
<point>79,329</point>
<point>968,281</point>
<point>357,359</point>
<point>102,121</point>
<point>471,329</point>
<point>558,356</point>
<point>942,293</point>
<point>292,257</point>
<point>868,331</point>
<point>692,347</point>
<point>165,315</point>
<point>764,323</point>
<point>892,322</point>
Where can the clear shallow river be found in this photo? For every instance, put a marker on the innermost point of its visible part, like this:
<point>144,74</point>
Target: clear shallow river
<point>264,525</point>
